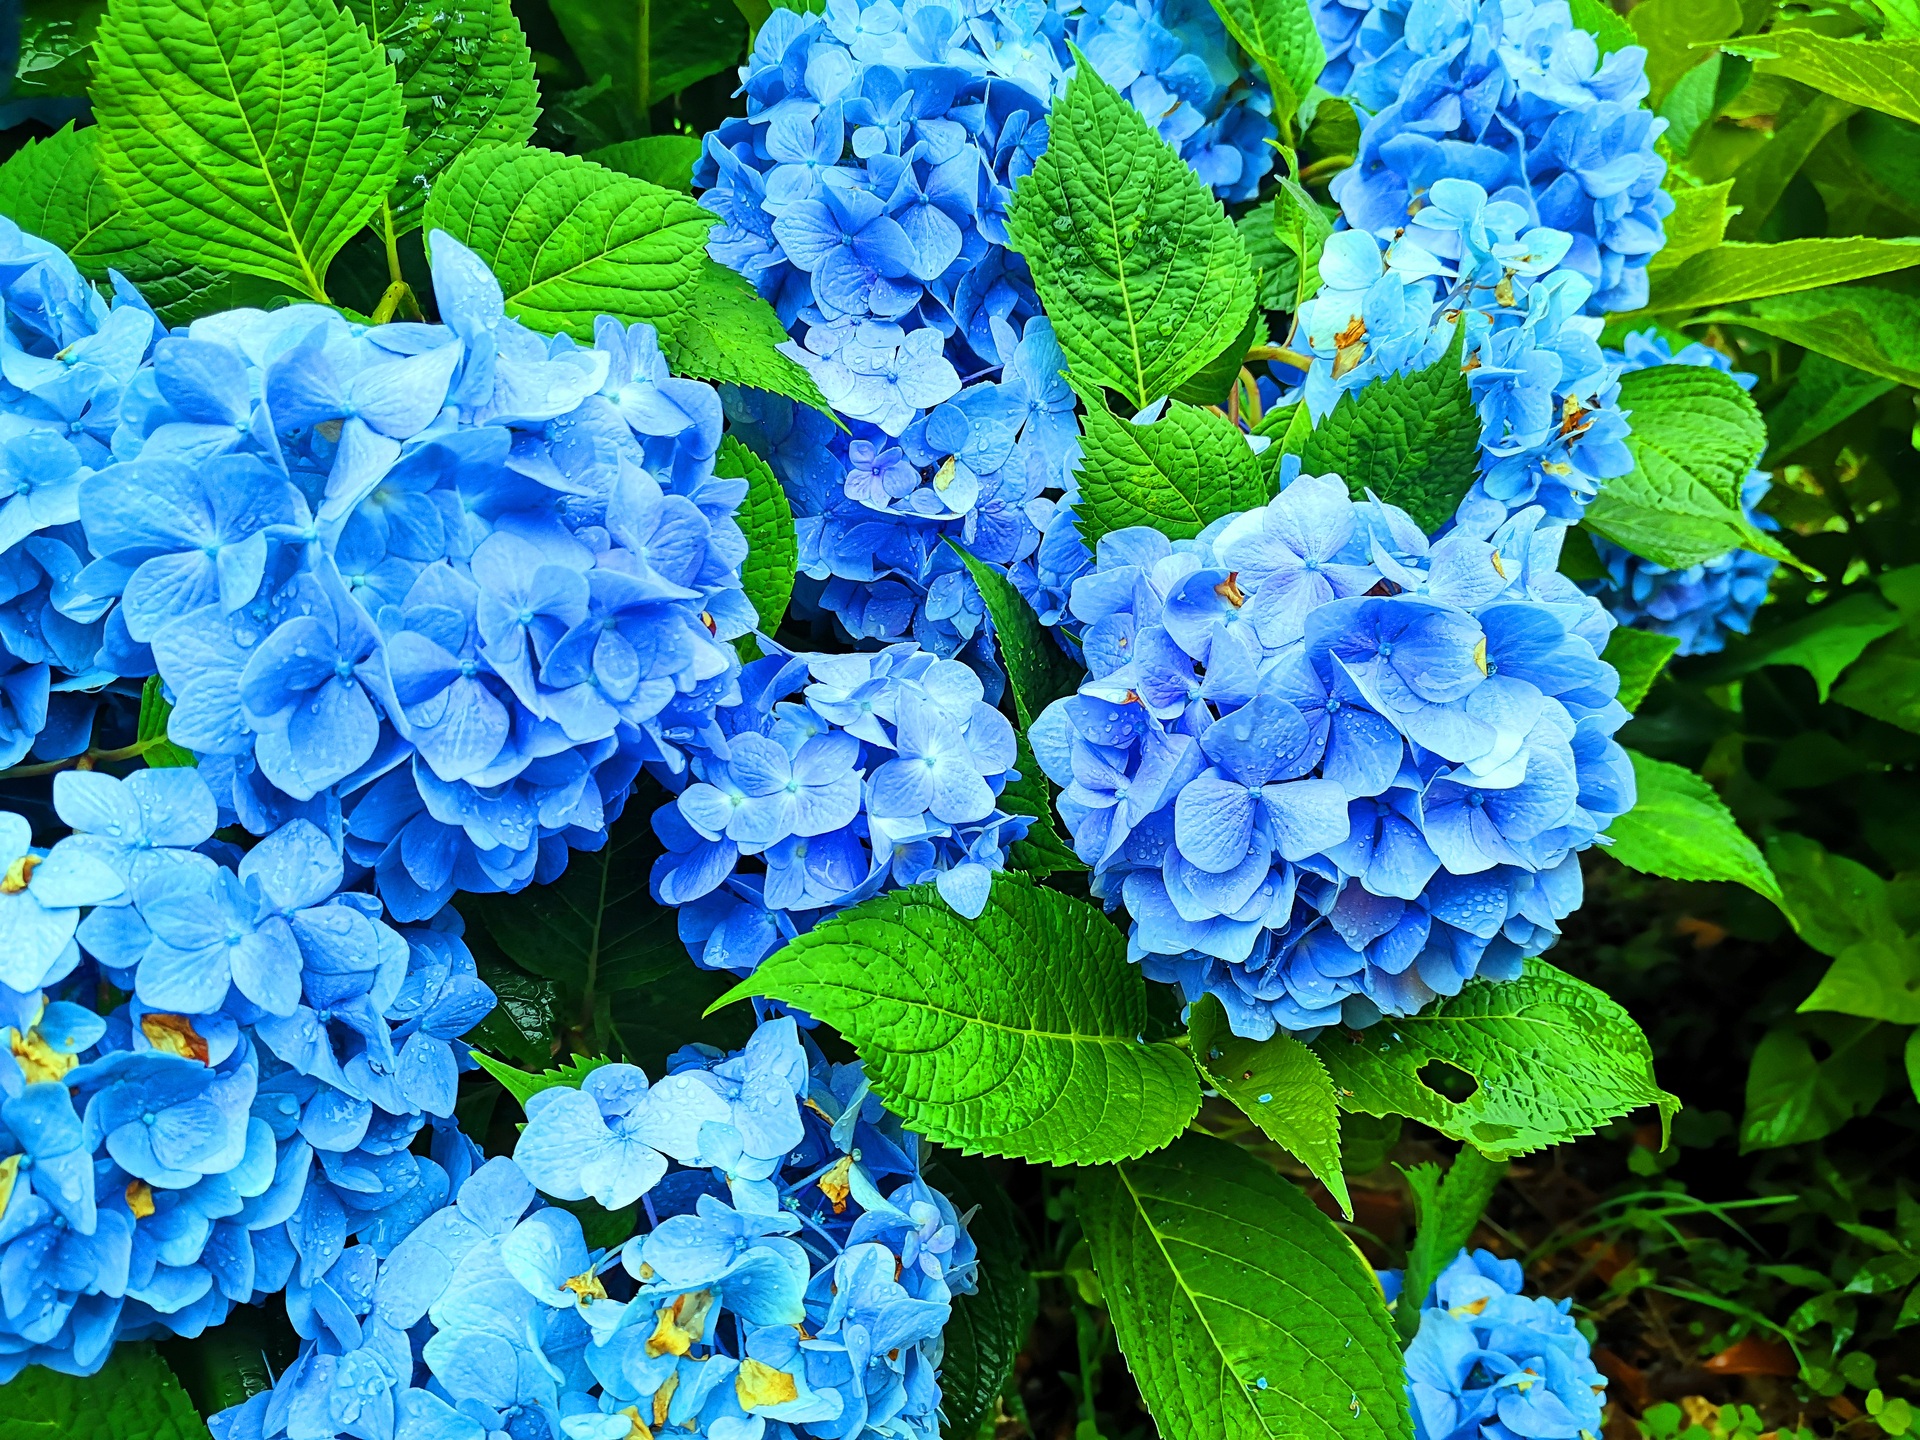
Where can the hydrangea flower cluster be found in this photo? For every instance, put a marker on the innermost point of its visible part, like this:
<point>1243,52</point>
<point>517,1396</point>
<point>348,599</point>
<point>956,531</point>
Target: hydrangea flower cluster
<point>791,1278</point>
<point>1703,604</point>
<point>865,192</point>
<point>273,1050</point>
<point>886,771</point>
<point>1330,768</point>
<point>1515,98</point>
<point>1491,1364</point>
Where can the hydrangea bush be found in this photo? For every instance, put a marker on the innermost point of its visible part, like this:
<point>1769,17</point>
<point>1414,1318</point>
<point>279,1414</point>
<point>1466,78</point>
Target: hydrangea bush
<point>890,567</point>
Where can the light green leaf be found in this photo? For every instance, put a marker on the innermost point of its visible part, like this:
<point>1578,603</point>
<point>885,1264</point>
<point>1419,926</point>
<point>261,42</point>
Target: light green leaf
<point>467,75</point>
<point>1734,271</point>
<point>1014,1034</point>
<point>1276,268</point>
<point>650,49</point>
<point>1843,909</point>
<point>1413,439</point>
<point>524,1086</point>
<point>1697,224</point>
<point>1639,656</point>
<point>1036,670</point>
<point>773,546</point>
<point>152,727</point>
<point>1604,23</point>
<point>1282,1087</point>
<point>1793,1098</point>
<point>254,135</point>
<point>570,240</point>
<point>666,160</point>
<point>1142,274</point>
<point>56,47</point>
<point>1695,437</point>
<point>1178,474</point>
<point>1865,326</point>
<point>1912,1305</point>
<point>1825,392</point>
<point>1880,74</point>
<point>1553,1058</point>
<point>1446,1209</point>
<point>1823,643</point>
<point>135,1397</point>
<point>720,329</point>
<point>1281,38</point>
<point>1670,29</point>
<point>1242,1312</point>
<point>989,1327</point>
<point>1688,106</point>
<point>1876,980</point>
<point>1679,828</point>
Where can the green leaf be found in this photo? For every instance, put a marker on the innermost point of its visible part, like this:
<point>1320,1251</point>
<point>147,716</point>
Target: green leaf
<point>1698,223</point>
<point>1413,439</point>
<point>650,49</point>
<point>1036,670</point>
<point>1885,683</point>
<point>1604,23</point>
<point>467,76</point>
<point>1762,180</point>
<point>719,329</point>
<point>1910,1312</point>
<point>1213,382</point>
<point>1670,29</point>
<point>1178,474</point>
<point>1014,1034</point>
<point>1792,1097</point>
<point>56,47</point>
<point>1281,38</point>
<point>1695,437</point>
<point>1824,643</point>
<point>1281,1086</point>
<point>523,1086</point>
<point>666,160</point>
<point>988,1328</point>
<point>1865,326</point>
<point>135,1397</point>
<point>1446,1210</point>
<point>570,240</point>
<point>163,754</point>
<point>1242,1312</point>
<point>524,1024</point>
<point>1732,271</point>
<point>255,135</point>
<point>1679,828</point>
<point>1880,74</point>
<point>1275,266</point>
<point>773,546</point>
<point>1689,106</point>
<point>1843,909</point>
<point>1824,393</point>
<point>684,993</point>
<point>1041,852</point>
<point>1139,269</point>
<point>1552,1058</point>
<point>1640,656</point>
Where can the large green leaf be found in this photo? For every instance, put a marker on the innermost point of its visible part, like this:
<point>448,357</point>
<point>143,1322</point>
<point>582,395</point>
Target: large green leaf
<point>773,546</point>
<point>1178,474</point>
<point>1865,326</point>
<point>1412,439</point>
<point>1446,1209</point>
<point>1794,1096</point>
<point>1824,643</point>
<point>664,159</point>
<point>570,240</point>
<point>1142,274</point>
<point>1552,1058</point>
<point>1281,1086</point>
<point>1671,29</point>
<point>254,135</point>
<point>1885,682</point>
<point>649,49</point>
<point>988,1328</point>
<point>1883,74</point>
<point>1679,828</point>
<point>719,328</point>
<point>1697,224</point>
<point>1639,656</point>
<point>1732,271</point>
<point>1825,393</point>
<point>1242,1312</point>
<point>1843,909</point>
<point>1761,182</point>
<point>467,75</point>
<point>1695,437</point>
<point>1015,1034</point>
<point>136,1397</point>
<point>1281,38</point>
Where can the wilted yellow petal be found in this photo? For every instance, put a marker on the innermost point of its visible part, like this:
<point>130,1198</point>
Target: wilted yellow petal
<point>756,1384</point>
<point>175,1035</point>
<point>834,1184</point>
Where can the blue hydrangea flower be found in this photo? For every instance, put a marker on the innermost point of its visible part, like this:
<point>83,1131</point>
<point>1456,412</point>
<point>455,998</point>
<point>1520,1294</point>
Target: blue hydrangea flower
<point>1703,604</point>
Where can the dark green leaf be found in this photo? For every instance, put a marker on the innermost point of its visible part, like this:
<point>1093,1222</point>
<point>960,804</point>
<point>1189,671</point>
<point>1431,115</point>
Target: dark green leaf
<point>1885,682</point>
<point>1242,1312</point>
<point>1042,852</point>
<point>663,159</point>
<point>1761,182</point>
<point>525,1024</point>
<point>56,47</point>
<point>1825,392</point>
<point>136,1397</point>
<point>684,993</point>
<point>1214,381</point>
<point>1412,439</point>
<point>1639,656</point>
<point>988,1328</point>
<point>1793,1097</point>
<point>1036,670</point>
<point>651,49</point>
<point>1824,643</point>
<point>1843,909</point>
<point>1177,474</point>
<point>1446,1209</point>
<point>1679,828</point>
<point>773,547</point>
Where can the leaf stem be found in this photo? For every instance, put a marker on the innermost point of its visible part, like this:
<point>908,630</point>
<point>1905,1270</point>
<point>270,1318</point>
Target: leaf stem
<point>84,761</point>
<point>392,241</point>
<point>1282,354</point>
<point>1325,165</point>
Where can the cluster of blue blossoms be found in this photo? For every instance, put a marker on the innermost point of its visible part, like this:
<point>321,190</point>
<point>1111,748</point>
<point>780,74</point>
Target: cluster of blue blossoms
<point>886,772</point>
<point>1333,769</point>
<point>1489,1363</point>
<point>1703,604</point>
<point>865,192</point>
<point>791,1280</point>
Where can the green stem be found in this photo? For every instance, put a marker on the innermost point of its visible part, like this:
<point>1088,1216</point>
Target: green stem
<point>1325,165</point>
<point>392,242</point>
<point>1282,354</point>
<point>86,760</point>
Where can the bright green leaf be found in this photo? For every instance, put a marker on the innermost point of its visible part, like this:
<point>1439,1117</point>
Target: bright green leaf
<point>1446,1210</point>
<point>1825,392</point>
<point>1730,272</point>
<point>1553,1058</point>
<point>254,135</point>
<point>1697,224</point>
<point>135,1397</point>
<point>1792,1097</point>
<point>151,730</point>
<point>1412,439</point>
<point>1014,1034</point>
<point>1880,74</point>
<point>989,1327</point>
<point>773,545</point>
<point>1824,643</point>
<point>1688,106</point>
<point>1679,828</point>
<point>1281,38</point>
<point>523,1086</point>
<point>1865,326</point>
<point>666,160</point>
<point>1639,656</point>
<point>649,49</point>
<point>720,329</point>
<point>1178,474</point>
<point>1670,29</point>
<point>1604,23</point>
<point>467,75</point>
<point>1144,277</point>
<point>1242,1312</point>
<point>1282,1087</point>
